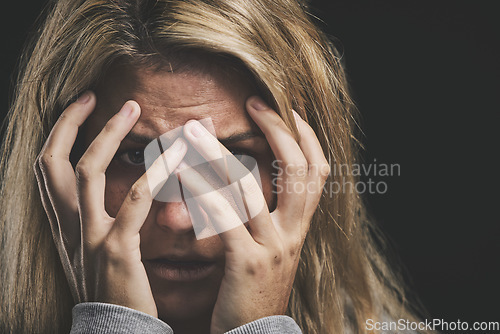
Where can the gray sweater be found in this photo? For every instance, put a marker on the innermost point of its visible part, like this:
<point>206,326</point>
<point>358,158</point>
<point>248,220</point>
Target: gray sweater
<point>112,319</point>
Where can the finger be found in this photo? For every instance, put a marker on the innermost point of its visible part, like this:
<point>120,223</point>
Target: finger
<point>292,163</point>
<point>55,167</point>
<point>135,208</point>
<point>319,168</point>
<point>226,221</point>
<point>227,166</point>
<point>211,150</point>
<point>246,191</point>
<point>63,134</point>
<point>48,207</point>
<point>61,245</point>
<point>60,190</point>
<point>91,169</point>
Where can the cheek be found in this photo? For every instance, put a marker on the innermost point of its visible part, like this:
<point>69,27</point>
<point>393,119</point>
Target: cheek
<point>117,188</point>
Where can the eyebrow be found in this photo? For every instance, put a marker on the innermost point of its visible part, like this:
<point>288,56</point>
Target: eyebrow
<point>231,139</point>
<point>237,137</point>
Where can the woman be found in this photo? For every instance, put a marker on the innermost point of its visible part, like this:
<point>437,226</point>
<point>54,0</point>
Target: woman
<point>83,231</point>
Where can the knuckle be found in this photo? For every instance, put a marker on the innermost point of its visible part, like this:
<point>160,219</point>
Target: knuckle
<point>220,208</point>
<point>83,171</point>
<point>302,168</point>
<point>110,131</point>
<point>324,170</point>
<point>277,121</point>
<point>138,192</point>
<point>64,115</point>
<point>254,265</point>
<point>45,160</point>
<point>278,254</point>
<point>110,126</point>
<point>294,248</point>
<point>250,187</point>
<point>299,168</point>
<point>110,249</point>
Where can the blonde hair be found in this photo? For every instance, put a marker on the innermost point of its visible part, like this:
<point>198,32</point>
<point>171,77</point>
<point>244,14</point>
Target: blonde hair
<point>343,276</point>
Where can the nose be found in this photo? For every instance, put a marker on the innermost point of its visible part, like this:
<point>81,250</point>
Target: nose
<point>173,217</point>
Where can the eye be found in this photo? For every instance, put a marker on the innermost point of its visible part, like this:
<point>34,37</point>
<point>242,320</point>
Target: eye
<point>239,153</point>
<point>132,157</point>
<point>246,157</point>
<point>235,151</point>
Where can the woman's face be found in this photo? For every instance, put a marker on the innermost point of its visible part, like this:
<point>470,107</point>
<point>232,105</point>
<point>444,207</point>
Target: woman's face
<point>168,100</point>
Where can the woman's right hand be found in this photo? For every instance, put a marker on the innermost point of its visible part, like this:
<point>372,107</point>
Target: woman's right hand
<point>100,254</point>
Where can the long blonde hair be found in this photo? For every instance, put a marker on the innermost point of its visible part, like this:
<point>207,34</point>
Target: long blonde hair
<point>343,276</point>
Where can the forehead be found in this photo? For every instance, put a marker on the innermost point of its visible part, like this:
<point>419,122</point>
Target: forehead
<point>168,99</point>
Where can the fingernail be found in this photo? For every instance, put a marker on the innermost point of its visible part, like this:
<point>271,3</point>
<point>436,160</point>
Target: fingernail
<point>178,145</point>
<point>197,130</point>
<point>127,110</point>
<point>258,104</point>
<point>84,98</point>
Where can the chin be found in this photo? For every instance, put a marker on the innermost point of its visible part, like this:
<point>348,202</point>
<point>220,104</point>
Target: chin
<point>178,302</point>
<point>176,306</point>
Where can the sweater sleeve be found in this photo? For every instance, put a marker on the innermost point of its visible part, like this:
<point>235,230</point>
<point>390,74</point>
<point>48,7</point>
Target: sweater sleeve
<point>276,324</point>
<point>90,318</point>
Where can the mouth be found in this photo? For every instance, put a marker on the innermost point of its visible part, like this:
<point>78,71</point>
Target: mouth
<point>180,270</point>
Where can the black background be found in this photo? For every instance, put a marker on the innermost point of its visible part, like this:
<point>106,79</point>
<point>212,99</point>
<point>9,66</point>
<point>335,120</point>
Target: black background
<point>425,78</point>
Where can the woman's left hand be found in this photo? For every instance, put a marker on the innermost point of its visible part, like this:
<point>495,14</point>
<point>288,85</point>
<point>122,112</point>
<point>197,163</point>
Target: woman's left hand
<point>261,260</point>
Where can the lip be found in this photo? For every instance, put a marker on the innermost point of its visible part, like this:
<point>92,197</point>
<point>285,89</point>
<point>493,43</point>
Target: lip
<point>180,270</point>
